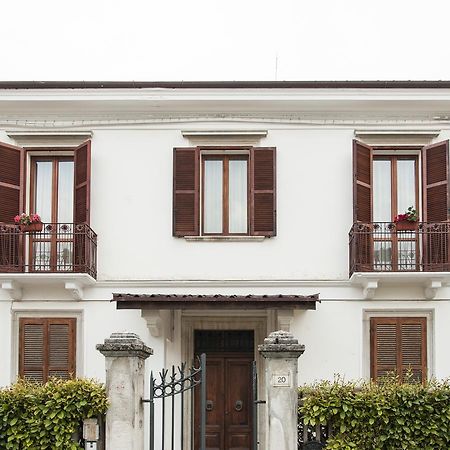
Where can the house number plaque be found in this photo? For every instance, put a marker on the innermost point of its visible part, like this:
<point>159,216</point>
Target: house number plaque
<point>281,380</point>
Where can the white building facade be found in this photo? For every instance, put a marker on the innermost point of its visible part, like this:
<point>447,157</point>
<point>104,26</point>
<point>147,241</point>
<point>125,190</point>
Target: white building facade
<point>203,216</point>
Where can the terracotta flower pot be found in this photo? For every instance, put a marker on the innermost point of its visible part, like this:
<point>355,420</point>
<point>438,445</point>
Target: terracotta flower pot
<point>406,225</point>
<point>32,227</point>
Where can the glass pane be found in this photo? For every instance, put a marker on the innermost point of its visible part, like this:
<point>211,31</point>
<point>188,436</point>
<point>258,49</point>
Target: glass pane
<point>65,191</point>
<point>43,198</point>
<point>382,255</point>
<point>381,191</point>
<point>213,200</point>
<point>407,255</point>
<point>237,196</point>
<point>41,255</point>
<point>64,256</point>
<point>406,185</point>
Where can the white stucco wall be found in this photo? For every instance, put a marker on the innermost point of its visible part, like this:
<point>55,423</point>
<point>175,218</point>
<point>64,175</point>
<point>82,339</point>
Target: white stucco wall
<point>131,211</point>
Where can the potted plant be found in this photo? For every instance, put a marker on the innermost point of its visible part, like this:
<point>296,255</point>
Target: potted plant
<point>407,221</point>
<point>28,222</point>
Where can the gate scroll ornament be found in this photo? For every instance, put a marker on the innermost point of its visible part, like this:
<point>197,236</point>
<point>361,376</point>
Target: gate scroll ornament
<point>172,385</point>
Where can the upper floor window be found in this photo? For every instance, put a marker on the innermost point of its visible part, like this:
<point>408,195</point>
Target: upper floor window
<point>224,192</point>
<point>386,182</point>
<point>225,195</point>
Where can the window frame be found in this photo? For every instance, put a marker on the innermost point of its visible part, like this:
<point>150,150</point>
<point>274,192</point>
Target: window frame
<point>225,157</point>
<point>46,321</point>
<point>396,313</point>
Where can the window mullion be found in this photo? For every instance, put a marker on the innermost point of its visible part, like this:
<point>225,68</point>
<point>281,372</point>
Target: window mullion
<point>225,195</point>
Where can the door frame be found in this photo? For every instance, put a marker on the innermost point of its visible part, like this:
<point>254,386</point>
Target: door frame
<point>240,320</point>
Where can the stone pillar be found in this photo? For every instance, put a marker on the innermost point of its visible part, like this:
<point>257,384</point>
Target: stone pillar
<point>125,356</point>
<point>281,352</point>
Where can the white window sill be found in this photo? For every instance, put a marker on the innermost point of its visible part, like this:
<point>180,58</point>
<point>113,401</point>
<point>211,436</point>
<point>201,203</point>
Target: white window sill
<point>225,238</point>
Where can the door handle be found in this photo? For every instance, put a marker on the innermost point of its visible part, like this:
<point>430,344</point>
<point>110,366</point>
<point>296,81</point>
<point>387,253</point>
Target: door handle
<point>209,405</point>
<point>238,405</point>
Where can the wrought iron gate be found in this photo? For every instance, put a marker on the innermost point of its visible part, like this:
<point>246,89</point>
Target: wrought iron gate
<point>174,385</point>
<point>256,402</point>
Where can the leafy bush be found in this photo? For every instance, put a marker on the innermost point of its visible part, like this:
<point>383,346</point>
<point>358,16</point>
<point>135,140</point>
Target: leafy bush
<point>385,416</point>
<point>44,416</point>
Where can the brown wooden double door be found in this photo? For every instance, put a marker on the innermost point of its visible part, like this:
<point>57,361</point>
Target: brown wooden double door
<point>228,402</point>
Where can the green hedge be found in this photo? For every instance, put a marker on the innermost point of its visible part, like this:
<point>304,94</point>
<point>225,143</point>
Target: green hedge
<point>386,416</point>
<point>44,416</point>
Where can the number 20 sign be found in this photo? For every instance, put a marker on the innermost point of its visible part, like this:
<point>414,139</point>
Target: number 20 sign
<point>281,380</point>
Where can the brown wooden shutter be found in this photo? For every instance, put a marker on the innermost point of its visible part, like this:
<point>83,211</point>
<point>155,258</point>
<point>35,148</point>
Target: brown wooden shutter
<point>435,175</point>
<point>435,168</point>
<point>47,348</point>
<point>32,360</point>
<point>82,185</point>
<point>12,173</point>
<point>263,191</point>
<point>186,191</point>
<point>61,348</point>
<point>12,184</point>
<point>399,344</point>
<point>362,182</point>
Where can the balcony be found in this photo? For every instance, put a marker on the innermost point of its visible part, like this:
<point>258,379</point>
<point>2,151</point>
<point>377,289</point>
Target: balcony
<point>64,251</point>
<point>58,248</point>
<point>381,252</point>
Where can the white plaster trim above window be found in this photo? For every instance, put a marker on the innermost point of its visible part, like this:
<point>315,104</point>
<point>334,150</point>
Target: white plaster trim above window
<point>397,137</point>
<point>224,137</point>
<point>43,139</point>
<point>224,238</point>
<point>431,282</point>
<point>397,312</point>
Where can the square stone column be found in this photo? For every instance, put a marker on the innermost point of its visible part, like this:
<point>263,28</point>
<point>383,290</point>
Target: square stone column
<point>281,352</point>
<point>125,356</point>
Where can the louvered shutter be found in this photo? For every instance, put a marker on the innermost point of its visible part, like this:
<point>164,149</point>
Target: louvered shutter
<point>398,345</point>
<point>435,168</point>
<point>32,358</point>
<point>263,191</point>
<point>186,191</point>
<point>61,347</point>
<point>47,348</point>
<point>362,182</point>
<point>362,204</point>
<point>12,172</point>
<point>435,173</point>
<point>384,344</point>
<point>82,185</point>
<point>413,348</point>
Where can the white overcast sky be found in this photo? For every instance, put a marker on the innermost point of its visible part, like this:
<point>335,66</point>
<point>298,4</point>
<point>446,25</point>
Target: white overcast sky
<point>224,40</point>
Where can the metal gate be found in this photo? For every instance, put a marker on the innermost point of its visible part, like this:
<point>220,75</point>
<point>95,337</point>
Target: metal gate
<point>175,389</point>
<point>256,402</point>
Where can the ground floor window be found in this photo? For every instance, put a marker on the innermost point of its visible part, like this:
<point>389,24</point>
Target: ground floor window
<point>398,345</point>
<point>47,348</point>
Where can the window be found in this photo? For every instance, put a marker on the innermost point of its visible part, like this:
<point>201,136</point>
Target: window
<point>52,188</point>
<point>225,195</point>
<point>47,348</point>
<point>384,186</point>
<point>231,193</point>
<point>398,344</point>
<point>46,187</point>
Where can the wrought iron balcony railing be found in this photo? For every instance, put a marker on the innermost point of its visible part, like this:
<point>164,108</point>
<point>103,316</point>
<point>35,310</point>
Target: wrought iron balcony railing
<point>58,248</point>
<point>386,247</point>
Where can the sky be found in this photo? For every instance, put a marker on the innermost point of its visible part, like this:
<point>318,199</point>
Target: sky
<point>224,40</point>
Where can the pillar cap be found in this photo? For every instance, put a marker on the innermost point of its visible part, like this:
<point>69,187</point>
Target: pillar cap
<point>126,345</point>
<point>281,344</point>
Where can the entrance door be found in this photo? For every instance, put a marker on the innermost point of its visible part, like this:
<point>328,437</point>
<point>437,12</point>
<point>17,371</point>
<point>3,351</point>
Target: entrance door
<point>229,357</point>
